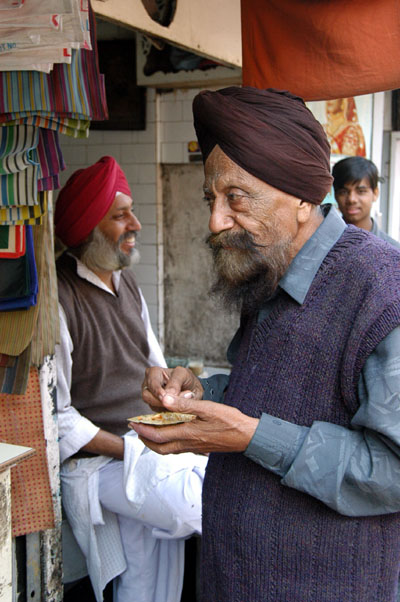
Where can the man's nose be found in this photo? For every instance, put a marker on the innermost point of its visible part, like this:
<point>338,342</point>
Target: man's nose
<point>221,217</point>
<point>352,196</point>
<point>134,223</point>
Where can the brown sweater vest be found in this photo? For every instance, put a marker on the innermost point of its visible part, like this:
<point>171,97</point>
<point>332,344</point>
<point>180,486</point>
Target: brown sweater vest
<point>110,352</point>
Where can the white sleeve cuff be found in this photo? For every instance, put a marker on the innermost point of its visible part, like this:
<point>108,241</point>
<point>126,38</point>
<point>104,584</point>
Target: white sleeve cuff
<point>78,437</point>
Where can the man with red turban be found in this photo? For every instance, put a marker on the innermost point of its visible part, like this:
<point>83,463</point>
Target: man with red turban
<point>129,508</point>
<point>301,497</point>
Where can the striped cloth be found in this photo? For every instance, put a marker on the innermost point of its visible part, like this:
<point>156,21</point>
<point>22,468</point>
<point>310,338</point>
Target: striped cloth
<point>20,188</point>
<point>35,107</point>
<point>76,128</point>
<point>74,91</point>
<point>50,160</point>
<point>16,145</point>
<point>30,160</point>
<point>29,215</point>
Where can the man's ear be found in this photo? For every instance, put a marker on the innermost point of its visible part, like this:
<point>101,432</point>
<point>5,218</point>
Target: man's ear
<point>376,193</point>
<point>304,211</point>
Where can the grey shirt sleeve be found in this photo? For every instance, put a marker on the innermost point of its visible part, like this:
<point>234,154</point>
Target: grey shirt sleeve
<point>354,471</point>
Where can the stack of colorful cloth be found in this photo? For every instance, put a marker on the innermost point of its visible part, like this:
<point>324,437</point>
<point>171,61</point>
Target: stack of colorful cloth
<point>49,85</point>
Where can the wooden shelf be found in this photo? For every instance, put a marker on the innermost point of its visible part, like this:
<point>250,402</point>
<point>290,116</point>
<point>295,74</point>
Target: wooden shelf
<point>10,455</point>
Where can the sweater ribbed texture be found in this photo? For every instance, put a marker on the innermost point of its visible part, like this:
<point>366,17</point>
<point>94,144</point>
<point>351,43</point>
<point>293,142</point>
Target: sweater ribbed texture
<point>263,541</point>
<point>110,352</point>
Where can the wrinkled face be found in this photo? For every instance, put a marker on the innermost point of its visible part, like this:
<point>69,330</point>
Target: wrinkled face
<point>355,202</point>
<point>112,245</point>
<point>252,226</point>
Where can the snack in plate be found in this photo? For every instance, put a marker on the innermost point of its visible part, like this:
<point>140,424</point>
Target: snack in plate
<point>162,419</point>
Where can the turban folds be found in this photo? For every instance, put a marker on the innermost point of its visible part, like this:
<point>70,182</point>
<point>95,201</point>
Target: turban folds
<point>269,133</point>
<point>85,199</point>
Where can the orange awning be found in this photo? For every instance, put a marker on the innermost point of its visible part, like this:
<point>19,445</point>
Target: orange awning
<point>321,49</point>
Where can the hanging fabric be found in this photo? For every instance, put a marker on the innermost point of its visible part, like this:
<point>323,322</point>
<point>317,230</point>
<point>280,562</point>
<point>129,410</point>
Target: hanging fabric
<point>321,50</point>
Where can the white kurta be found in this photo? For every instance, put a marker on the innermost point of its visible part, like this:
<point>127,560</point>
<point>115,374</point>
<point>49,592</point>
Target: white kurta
<point>130,518</point>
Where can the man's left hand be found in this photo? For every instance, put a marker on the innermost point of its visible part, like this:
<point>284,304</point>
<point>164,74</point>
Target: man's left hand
<point>216,428</point>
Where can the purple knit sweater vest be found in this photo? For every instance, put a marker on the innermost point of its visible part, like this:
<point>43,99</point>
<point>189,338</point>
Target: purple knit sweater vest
<point>263,541</point>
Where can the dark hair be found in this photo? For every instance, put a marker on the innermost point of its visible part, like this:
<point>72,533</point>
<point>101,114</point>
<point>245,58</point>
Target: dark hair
<point>353,169</point>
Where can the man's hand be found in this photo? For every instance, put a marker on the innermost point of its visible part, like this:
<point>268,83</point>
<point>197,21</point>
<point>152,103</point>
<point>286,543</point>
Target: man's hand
<point>159,382</point>
<point>217,428</point>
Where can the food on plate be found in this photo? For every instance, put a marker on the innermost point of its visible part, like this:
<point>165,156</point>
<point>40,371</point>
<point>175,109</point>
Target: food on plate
<point>162,419</point>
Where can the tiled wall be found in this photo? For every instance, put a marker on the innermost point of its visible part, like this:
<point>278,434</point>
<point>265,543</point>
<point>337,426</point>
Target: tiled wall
<point>169,128</point>
<point>176,125</point>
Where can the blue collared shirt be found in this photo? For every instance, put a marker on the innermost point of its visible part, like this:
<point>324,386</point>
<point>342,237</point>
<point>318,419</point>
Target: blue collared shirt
<point>356,470</point>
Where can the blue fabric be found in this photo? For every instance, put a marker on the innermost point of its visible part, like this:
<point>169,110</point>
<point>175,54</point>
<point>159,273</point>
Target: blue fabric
<point>29,285</point>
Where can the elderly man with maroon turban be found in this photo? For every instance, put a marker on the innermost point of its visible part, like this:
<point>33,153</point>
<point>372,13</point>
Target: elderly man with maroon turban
<point>301,496</point>
<point>129,508</point>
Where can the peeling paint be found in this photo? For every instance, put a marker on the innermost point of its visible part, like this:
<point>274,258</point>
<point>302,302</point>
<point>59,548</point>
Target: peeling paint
<point>4,513</point>
<point>50,540</point>
<point>5,537</point>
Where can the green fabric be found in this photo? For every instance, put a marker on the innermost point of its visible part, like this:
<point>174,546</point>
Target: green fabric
<point>4,233</point>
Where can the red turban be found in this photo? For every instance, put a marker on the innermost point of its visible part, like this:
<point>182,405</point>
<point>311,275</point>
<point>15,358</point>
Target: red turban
<point>85,199</point>
<point>269,133</point>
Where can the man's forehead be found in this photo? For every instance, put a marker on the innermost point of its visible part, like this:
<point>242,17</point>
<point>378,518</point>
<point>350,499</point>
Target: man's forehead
<point>219,167</point>
<point>121,200</point>
<point>356,183</point>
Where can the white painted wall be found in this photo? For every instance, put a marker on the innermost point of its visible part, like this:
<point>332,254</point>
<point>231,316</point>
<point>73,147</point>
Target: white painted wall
<point>208,28</point>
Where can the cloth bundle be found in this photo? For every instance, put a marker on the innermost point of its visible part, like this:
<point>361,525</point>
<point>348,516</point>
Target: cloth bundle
<point>49,84</point>
<point>35,35</point>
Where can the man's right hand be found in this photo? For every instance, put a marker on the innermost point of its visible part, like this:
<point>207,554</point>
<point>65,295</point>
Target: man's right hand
<point>159,382</point>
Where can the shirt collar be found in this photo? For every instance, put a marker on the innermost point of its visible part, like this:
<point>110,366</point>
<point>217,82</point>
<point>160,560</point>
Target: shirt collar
<point>83,272</point>
<point>301,272</point>
<point>374,228</point>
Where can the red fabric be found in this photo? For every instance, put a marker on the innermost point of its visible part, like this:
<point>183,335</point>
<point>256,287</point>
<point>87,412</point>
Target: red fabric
<point>269,133</point>
<point>321,50</point>
<point>85,199</point>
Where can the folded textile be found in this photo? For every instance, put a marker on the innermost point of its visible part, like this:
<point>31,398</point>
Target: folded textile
<point>19,279</point>
<point>16,146</point>
<point>75,90</point>
<point>12,241</point>
<point>28,215</point>
<point>20,188</point>
<point>22,59</point>
<point>50,158</point>
<point>25,10</point>
<point>76,128</point>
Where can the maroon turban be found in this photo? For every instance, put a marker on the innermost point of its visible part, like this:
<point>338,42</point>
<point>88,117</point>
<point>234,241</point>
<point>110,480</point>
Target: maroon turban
<point>269,133</point>
<point>85,199</point>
